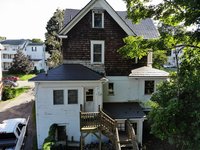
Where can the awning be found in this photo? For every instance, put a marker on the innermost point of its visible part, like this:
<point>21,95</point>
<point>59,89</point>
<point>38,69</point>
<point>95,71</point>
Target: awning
<point>127,110</point>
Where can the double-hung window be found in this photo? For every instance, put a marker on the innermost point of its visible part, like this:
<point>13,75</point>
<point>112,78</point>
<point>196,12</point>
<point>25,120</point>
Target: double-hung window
<point>97,19</point>
<point>72,96</point>
<point>97,52</point>
<point>58,97</point>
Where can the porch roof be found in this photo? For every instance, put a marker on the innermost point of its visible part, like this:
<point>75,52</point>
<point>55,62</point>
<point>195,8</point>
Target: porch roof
<point>68,72</point>
<point>126,110</point>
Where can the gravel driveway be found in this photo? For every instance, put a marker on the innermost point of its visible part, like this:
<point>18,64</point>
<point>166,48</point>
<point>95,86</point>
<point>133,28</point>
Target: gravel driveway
<point>21,106</point>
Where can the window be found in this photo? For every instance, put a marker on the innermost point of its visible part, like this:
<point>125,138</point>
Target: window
<point>72,96</point>
<point>149,87</point>
<point>111,88</point>
<point>97,52</point>
<point>89,95</point>
<point>61,133</point>
<point>97,19</point>
<point>58,97</point>
<point>34,48</point>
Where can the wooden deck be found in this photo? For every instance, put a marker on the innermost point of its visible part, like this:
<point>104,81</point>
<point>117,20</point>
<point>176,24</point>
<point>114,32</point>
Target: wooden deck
<point>101,123</point>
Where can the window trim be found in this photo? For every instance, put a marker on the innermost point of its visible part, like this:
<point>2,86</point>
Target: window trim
<point>111,90</point>
<point>102,18</point>
<point>68,96</point>
<point>92,43</point>
<point>63,96</point>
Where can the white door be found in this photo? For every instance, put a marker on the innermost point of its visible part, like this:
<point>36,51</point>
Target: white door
<point>89,99</point>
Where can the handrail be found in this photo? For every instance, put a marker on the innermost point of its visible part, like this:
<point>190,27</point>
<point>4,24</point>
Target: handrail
<point>117,141</point>
<point>131,134</point>
<point>100,120</point>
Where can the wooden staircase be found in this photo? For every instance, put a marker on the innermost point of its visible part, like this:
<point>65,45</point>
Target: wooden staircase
<point>101,123</point>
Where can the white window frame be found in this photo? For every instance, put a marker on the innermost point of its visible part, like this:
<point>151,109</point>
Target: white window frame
<point>102,18</point>
<point>93,42</point>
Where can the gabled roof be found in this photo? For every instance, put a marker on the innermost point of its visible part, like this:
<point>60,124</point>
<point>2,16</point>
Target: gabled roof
<point>148,72</point>
<point>13,42</point>
<point>145,28</point>
<point>69,72</point>
<point>95,4</point>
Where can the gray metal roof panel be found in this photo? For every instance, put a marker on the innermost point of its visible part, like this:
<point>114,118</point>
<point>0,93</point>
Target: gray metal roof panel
<point>126,110</point>
<point>68,72</point>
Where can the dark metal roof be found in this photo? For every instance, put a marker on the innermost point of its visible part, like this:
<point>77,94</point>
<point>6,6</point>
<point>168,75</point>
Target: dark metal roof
<point>145,28</point>
<point>126,110</point>
<point>68,72</point>
<point>13,42</point>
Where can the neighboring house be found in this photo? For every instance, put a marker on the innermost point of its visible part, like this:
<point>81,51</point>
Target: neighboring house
<point>35,51</point>
<point>171,61</point>
<point>10,49</point>
<point>95,77</point>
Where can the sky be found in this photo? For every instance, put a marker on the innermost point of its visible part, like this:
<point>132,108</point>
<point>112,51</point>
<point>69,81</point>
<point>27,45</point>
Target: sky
<point>27,19</point>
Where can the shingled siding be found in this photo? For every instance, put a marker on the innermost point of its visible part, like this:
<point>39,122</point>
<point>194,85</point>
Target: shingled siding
<point>76,48</point>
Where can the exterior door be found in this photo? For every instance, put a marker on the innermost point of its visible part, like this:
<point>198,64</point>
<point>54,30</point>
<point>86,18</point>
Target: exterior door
<point>89,99</point>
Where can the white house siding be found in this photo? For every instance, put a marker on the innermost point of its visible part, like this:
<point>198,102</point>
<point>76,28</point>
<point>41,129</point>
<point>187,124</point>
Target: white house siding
<point>36,53</point>
<point>127,89</point>
<point>67,114</point>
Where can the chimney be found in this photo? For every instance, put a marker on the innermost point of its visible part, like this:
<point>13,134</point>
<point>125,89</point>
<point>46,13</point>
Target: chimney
<point>150,59</point>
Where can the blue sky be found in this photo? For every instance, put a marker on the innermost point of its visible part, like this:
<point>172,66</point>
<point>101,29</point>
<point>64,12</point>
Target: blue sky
<point>27,19</point>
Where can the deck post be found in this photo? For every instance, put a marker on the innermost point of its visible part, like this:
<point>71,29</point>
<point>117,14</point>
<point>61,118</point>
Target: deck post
<point>99,140</point>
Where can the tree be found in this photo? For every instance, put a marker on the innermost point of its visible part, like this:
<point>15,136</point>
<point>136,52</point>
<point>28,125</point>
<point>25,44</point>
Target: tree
<point>53,43</point>
<point>55,59</point>
<point>176,116</point>
<point>21,64</point>
<point>36,40</point>
<point>53,27</point>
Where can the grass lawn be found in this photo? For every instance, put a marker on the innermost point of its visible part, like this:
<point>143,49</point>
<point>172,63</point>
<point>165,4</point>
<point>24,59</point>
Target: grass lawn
<point>23,77</point>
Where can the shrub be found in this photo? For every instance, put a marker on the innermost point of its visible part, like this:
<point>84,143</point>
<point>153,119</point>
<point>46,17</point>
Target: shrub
<point>49,142</point>
<point>8,93</point>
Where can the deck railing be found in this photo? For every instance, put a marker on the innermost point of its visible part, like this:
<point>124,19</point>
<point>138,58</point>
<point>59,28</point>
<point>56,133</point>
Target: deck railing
<point>89,120</point>
<point>131,134</point>
<point>100,121</point>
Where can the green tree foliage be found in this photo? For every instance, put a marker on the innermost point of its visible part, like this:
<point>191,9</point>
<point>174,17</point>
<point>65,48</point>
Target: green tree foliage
<point>36,40</point>
<point>52,42</point>
<point>2,38</point>
<point>173,16</point>
<point>159,58</point>
<point>176,117</point>
<point>55,59</point>
<point>21,64</point>
<point>53,26</point>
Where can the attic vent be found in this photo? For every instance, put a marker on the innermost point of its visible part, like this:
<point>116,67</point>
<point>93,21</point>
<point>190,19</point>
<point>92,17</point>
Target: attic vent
<point>98,10</point>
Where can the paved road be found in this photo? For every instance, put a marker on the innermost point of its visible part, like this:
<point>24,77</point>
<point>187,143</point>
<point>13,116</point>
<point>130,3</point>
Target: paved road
<point>22,106</point>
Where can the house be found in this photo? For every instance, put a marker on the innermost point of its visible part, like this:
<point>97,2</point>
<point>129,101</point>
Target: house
<point>171,60</point>
<point>35,51</point>
<point>96,93</point>
<point>10,49</point>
